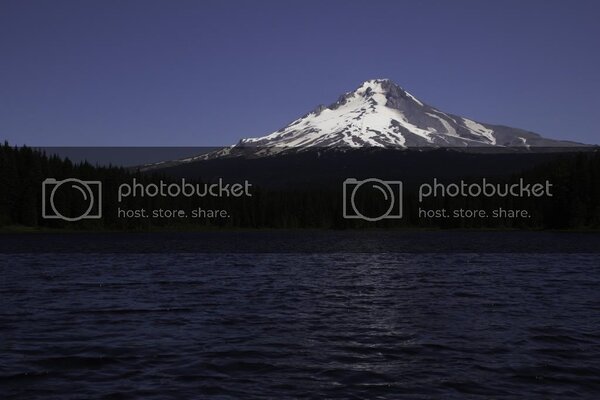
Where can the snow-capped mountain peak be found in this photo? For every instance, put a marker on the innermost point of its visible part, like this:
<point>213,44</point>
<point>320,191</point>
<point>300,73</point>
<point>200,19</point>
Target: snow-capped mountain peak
<point>372,115</point>
<point>380,113</point>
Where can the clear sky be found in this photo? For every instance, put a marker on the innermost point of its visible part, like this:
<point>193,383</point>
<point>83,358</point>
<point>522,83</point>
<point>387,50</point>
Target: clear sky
<point>199,73</point>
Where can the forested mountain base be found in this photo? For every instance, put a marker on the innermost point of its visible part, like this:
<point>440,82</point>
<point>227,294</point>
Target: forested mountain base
<point>575,203</point>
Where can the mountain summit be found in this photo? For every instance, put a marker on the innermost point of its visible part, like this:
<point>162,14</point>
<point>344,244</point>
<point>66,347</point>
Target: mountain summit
<point>380,113</point>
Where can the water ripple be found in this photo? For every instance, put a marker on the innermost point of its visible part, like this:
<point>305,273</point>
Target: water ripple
<point>282,326</point>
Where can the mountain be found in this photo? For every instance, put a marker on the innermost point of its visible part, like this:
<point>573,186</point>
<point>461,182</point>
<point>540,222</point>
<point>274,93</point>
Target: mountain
<point>380,113</point>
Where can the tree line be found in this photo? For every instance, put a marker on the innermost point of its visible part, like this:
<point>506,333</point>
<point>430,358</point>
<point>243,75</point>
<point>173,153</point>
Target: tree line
<point>575,203</point>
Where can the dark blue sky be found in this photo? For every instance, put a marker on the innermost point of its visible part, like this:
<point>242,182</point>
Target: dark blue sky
<point>210,72</point>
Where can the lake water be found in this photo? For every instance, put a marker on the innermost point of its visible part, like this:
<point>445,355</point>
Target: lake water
<point>322,325</point>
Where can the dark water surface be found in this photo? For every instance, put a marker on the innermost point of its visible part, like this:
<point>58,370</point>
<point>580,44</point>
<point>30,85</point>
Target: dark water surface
<point>430,326</point>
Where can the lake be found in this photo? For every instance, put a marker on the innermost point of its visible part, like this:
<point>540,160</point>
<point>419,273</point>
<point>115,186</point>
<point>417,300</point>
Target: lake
<point>299,325</point>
